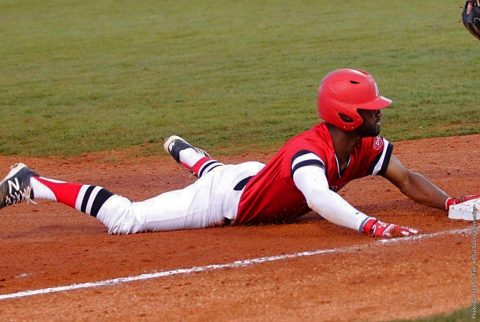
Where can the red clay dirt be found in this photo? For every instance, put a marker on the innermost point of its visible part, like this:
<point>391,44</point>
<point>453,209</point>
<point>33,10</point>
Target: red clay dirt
<point>49,245</point>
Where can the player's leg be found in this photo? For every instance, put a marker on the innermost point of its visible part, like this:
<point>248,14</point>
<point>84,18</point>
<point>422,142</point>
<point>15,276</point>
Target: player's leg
<point>22,183</point>
<point>198,205</point>
<point>210,201</point>
<point>205,203</point>
<point>191,158</point>
<point>182,209</point>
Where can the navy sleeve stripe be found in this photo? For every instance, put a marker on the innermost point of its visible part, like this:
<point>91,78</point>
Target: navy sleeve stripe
<point>388,154</point>
<point>373,164</point>
<point>300,153</point>
<point>317,163</point>
<point>381,157</point>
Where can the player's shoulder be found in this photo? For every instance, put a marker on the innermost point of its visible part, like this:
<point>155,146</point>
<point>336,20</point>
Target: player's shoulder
<point>315,140</point>
<point>318,135</point>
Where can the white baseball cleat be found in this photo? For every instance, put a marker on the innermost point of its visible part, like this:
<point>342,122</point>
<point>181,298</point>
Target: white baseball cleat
<point>174,144</point>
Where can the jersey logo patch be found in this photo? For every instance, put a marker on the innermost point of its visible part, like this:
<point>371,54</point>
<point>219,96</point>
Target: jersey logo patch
<point>378,143</point>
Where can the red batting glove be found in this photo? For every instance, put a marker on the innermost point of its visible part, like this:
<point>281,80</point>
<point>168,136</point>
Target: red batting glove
<point>453,201</point>
<point>377,228</point>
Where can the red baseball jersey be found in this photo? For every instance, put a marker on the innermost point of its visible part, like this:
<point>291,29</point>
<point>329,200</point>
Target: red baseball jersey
<point>272,196</point>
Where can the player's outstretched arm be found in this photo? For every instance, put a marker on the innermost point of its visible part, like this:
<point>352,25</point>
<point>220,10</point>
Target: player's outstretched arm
<point>313,184</point>
<point>414,185</point>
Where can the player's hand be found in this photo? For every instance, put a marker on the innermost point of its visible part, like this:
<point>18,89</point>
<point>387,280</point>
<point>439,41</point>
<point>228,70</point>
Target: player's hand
<point>377,228</point>
<point>453,201</point>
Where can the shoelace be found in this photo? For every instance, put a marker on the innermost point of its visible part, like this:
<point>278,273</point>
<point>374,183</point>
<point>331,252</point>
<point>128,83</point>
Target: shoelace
<point>18,196</point>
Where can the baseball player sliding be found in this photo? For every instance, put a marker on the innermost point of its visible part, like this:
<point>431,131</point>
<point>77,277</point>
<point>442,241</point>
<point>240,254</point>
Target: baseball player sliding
<point>303,175</point>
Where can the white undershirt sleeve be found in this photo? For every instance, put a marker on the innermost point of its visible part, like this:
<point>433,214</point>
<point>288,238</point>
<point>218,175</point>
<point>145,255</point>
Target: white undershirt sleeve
<point>312,182</point>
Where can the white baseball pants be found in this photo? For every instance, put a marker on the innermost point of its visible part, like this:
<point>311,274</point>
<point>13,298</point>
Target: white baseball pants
<point>205,203</point>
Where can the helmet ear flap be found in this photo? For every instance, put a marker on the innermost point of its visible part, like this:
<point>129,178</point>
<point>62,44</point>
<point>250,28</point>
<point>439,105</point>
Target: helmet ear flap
<point>341,116</point>
<point>345,118</point>
<point>349,120</point>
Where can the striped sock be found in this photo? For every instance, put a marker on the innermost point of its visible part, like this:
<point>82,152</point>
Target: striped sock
<point>86,198</point>
<point>204,166</point>
<point>196,162</point>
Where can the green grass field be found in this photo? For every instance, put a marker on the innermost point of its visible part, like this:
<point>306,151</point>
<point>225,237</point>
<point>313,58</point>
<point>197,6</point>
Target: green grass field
<point>82,76</point>
<point>461,315</point>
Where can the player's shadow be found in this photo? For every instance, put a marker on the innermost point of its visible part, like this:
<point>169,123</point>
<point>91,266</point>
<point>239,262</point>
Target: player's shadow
<point>56,230</point>
<point>396,207</point>
<point>404,207</point>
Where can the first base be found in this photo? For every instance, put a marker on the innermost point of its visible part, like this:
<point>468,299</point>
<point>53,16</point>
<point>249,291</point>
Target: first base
<point>465,210</point>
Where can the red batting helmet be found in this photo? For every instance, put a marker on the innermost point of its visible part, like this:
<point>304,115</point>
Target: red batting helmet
<point>344,91</point>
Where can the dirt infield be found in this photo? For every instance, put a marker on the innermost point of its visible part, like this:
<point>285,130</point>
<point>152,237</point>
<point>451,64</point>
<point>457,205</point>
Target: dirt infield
<point>49,245</point>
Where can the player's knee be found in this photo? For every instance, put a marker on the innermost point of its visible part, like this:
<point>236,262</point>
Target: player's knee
<point>129,222</point>
<point>124,225</point>
<point>119,217</point>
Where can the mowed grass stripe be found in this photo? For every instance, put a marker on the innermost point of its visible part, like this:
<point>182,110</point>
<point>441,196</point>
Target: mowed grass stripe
<point>83,76</point>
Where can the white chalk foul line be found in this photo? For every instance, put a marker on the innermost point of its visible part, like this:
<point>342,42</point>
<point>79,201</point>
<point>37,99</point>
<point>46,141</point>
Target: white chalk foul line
<point>236,264</point>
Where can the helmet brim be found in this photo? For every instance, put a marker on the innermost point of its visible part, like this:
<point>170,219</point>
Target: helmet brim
<point>377,104</point>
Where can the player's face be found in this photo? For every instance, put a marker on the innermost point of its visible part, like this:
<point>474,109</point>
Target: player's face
<point>371,123</point>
